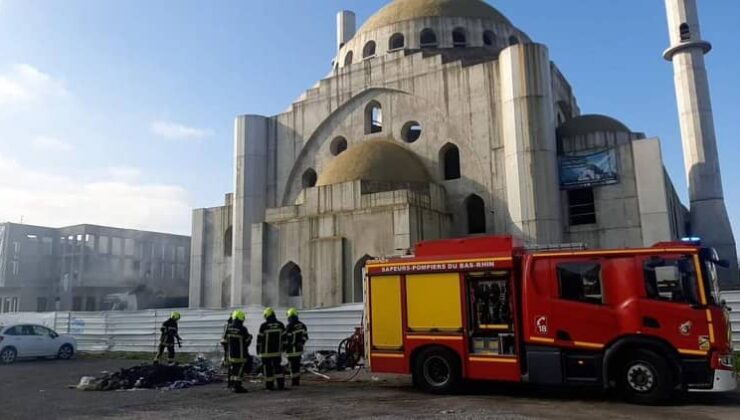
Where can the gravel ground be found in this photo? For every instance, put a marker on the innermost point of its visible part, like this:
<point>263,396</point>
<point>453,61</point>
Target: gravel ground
<point>39,390</point>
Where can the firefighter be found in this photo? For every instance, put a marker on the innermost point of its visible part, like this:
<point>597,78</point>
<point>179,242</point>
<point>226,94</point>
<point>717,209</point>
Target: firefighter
<point>270,349</point>
<point>168,337</point>
<point>237,340</point>
<point>296,335</point>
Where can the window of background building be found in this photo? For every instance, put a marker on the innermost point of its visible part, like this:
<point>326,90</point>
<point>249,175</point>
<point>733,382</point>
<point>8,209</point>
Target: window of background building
<point>580,282</point>
<point>116,245</point>
<point>129,247</point>
<point>581,206</point>
<point>450,158</point>
<point>128,268</point>
<point>90,242</point>
<point>41,304</point>
<point>396,42</point>
<point>672,280</point>
<point>77,303</point>
<point>90,303</point>
<point>180,271</point>
<point>180,254</point>
<point>16,249</point>
<point>15,267</point>
<point>103,244</point>
<point>47,246</point>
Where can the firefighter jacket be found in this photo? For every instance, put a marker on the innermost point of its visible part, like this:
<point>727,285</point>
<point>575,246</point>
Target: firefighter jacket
<point>270,338</point>
<point>296,335</point>
<point>237,339</point>
<point>169,332</point>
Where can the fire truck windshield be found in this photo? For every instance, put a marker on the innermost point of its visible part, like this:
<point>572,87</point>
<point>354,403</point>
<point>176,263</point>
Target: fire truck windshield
<point>710,259</point>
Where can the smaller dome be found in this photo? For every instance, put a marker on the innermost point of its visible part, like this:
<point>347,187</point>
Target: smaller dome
<point>374,160</point>
<point>594,123</point>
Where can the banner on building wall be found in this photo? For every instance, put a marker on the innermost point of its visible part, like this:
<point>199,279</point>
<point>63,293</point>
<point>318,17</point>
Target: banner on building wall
<point>587,169</point>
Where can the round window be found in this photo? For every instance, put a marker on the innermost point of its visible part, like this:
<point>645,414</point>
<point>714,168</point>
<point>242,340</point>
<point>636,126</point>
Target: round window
<point>411,131</point>
<point>338,145</point>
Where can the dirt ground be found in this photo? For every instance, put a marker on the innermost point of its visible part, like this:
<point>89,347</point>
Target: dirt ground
<point>39,390</point>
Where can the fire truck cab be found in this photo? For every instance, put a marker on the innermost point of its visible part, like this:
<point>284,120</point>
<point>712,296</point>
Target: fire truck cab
<point>647,322</point>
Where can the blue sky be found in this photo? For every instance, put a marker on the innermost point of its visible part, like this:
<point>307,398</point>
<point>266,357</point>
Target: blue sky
<point>121,112</point>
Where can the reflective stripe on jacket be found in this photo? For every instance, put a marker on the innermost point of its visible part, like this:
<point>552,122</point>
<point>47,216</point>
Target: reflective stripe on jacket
<point>270,338</point>
<point>296,335</point>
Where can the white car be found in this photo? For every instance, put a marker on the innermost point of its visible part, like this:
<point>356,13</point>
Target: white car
<point>28,340</point>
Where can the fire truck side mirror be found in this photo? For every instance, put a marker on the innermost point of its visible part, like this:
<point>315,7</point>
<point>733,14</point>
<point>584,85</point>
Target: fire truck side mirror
<point>723,263</point>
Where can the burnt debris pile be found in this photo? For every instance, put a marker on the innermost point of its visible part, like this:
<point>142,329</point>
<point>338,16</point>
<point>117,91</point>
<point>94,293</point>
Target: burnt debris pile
<point>153,376</point>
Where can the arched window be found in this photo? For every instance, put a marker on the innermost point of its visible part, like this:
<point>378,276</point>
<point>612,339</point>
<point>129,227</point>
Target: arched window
<point>290,284</point>
<point>348,59</point>
<point>685,32</point>
<point>476,214</point>
<point>338,145</point>
<point>459,38</point>
<point>355,294</point>
<point>309,178</point>
<point>369,50</point>
<point>428,39</point>
<point>513,40</point>
<point>228,240</point>
<point>396,42</point>
<point>449,156</point>
<point>489,38</point>
<point>373,118</point>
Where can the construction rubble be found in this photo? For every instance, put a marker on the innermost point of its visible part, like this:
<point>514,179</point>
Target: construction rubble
<point>154,376</point>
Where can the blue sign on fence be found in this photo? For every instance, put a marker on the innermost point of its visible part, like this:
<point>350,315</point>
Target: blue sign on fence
<point>586,169</point>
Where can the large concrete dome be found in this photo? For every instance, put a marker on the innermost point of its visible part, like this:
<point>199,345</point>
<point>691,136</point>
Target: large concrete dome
<point>375,160</point>
<point>402,10</point>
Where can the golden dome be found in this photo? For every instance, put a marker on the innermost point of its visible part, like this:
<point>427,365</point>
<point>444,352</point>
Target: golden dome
<point>374,160</point>
<point>402,10</point>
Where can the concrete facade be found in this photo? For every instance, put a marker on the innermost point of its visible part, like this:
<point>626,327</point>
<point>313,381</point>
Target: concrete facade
<point>439,118</point>
<point>88,267</point>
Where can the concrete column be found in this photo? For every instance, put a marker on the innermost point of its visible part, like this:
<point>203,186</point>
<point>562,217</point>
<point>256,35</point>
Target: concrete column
<point>709,218</point>
<point>197,259</point>
<point>250,194</point>
<point>346,24</point>
<point>528,119</point>
<point>651,192</point>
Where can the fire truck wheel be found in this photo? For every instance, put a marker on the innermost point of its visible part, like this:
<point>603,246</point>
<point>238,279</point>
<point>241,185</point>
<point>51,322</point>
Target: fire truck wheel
<point>646,378</point>
<point>437,370</point>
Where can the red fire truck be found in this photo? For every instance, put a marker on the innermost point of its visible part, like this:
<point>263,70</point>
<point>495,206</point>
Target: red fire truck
<point>647,321</point>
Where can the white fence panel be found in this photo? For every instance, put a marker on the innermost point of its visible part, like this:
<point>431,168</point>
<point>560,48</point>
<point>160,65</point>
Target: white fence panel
<point>200,329</point>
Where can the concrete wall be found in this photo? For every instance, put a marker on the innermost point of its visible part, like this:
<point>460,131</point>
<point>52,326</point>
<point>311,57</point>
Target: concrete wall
<point>211,257</point>
<point>326,237</point>
<point>618,222</point>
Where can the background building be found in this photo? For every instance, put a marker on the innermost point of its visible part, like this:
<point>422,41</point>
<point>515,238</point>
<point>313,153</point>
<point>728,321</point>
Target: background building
<point>439,118</point>
<point>88,268</point>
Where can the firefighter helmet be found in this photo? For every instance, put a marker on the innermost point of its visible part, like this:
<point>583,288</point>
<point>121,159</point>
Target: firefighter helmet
<point>292,312</point>
<point>175,316</point>
<point>238,315</point>
<point>268,312</point>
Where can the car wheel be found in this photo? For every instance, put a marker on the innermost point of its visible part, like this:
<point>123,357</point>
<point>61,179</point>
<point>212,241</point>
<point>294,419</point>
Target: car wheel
<point>65,352</point>
<point>646,378</point>
<point>437,370</point>
<point>8,355</point>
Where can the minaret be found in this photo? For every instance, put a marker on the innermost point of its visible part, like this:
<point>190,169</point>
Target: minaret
<point>708,213</point>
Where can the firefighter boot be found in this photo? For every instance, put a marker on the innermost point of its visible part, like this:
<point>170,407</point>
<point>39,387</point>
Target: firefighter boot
<point>239,388</point>
<point>295,381</point>
<point>281,383</point>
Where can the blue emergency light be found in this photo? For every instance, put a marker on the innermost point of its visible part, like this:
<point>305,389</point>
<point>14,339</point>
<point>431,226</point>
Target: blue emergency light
<point>694,240</point>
